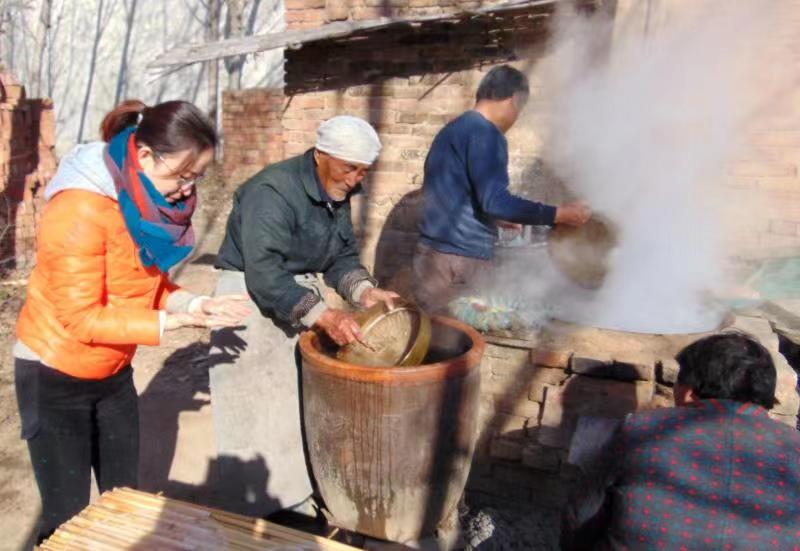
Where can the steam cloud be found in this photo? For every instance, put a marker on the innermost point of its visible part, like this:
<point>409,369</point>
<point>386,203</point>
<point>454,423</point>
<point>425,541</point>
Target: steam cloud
<point>647,119</point>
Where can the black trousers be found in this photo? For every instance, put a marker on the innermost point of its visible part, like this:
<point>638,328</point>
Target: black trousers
<point>74,426</point>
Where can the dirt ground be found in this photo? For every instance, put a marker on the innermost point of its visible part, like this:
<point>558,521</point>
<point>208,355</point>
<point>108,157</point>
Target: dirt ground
<point>171,379</point>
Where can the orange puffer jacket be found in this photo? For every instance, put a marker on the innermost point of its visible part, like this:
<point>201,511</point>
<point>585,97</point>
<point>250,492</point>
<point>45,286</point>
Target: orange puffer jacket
<point>90,300</point>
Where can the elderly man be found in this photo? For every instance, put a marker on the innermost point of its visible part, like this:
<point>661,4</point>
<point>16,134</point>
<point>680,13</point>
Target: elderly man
<point>289,222</point>
<point>713,473</point>
<point>466,196</point>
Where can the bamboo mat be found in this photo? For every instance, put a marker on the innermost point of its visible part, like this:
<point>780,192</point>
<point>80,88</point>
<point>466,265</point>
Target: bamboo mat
<point>130,519</point>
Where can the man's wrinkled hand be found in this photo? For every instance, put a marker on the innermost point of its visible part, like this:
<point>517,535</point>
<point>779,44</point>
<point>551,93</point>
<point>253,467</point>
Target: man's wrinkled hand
<point>373,296</point>
<point>340,326</point>
<point>573,214</point>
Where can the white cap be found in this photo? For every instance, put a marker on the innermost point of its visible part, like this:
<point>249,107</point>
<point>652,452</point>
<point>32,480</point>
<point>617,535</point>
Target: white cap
<point>349,139</point>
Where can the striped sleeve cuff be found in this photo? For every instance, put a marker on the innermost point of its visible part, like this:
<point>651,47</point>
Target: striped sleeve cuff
<point>314,314</point>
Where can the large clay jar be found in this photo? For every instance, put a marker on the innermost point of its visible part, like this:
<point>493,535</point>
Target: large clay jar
<point>391,447</point>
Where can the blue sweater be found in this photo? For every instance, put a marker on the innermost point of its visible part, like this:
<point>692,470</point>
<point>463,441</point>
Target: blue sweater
<point>466,190</point>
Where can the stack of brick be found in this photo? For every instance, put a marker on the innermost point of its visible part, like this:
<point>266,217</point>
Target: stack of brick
<point>534,392</point>
<point>27,162</point>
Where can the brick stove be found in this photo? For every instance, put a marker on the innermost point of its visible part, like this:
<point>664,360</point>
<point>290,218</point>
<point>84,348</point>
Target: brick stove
<point>535,388</point>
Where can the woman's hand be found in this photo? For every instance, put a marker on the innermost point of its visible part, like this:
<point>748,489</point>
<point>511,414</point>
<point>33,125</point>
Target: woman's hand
<point>198,319</point>
<point>373,295</point>
<point>234,306</point>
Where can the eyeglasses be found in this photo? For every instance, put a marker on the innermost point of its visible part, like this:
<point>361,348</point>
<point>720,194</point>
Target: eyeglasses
<point>183,182</point>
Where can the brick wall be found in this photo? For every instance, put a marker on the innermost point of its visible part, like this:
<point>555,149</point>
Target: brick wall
<point>251,123</point>
<point>764,184</point>
<point>27,161</point>
<point>408,82</point>
<point>533,393</point>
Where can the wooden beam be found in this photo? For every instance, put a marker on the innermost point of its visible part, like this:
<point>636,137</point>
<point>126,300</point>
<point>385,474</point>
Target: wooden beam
<point>196,53</point>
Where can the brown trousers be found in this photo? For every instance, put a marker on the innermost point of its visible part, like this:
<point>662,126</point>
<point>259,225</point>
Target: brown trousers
<point>441,277</point>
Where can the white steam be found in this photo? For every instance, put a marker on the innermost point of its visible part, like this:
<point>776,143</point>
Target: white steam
<point>646,122</point>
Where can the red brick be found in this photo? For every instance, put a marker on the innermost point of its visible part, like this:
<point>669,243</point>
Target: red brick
<point>780,184</point>
<point>304,4</point>
<point>388,166</point>
<point>763,168</point>
<point>403,129</point>
<point>509,424</point>
<point>308,101</point>
<point>505,385</point>
<point>357,104</point>
<point>612,368</point>
<point>550,358</point>
<point>336,10</point>
<point>783,227</point>
<point>784,138</point>
<point>588,396</point>
<point>360,14</point>
<point>304,18</point>
<point>411,117</point>
<point>541,458</point>
<point>293,149</point>
<point>507,449</point>
<point>318,115</point>
<point>426,130</point>
<point>518,405</point>
<point>542,377</point>
<point>667,371</point>
<point>302,125</point>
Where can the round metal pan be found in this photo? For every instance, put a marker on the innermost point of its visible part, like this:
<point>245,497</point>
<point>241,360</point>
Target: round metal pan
<point>397,337</point>
<point>581,254</point>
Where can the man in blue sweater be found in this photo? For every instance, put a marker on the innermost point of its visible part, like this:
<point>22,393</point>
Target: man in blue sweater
<point>465,192</point>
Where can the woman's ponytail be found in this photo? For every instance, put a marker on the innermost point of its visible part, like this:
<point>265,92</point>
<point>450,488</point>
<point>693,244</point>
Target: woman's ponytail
<point>121,117</point>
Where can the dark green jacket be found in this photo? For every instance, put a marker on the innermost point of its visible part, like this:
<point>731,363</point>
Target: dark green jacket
<point>280,227</point>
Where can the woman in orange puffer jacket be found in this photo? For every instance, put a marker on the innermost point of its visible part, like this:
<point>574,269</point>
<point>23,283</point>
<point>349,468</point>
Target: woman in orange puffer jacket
<point>118,217</point>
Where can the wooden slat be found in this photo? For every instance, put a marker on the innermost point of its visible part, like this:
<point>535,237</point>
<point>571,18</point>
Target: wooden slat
<point>131,519</point>
<point>259,526</point>
<point>194,535</point>
<point>181,535</point>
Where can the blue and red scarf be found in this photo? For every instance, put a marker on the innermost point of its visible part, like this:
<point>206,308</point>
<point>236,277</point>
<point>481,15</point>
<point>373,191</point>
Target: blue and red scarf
<point>162,231</point>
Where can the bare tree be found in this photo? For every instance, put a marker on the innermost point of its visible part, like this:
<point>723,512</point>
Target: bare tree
<point>66,106</point>
<point>54,31</point>
<point>7,44</point>
<point>234,27</point>
<point>122,76</point>
<point>198,83</point>
<point>3,16</point>
<point>104,10</point>
<point>253,17</point>
<point>212,35</point>
<point>42,39</point>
